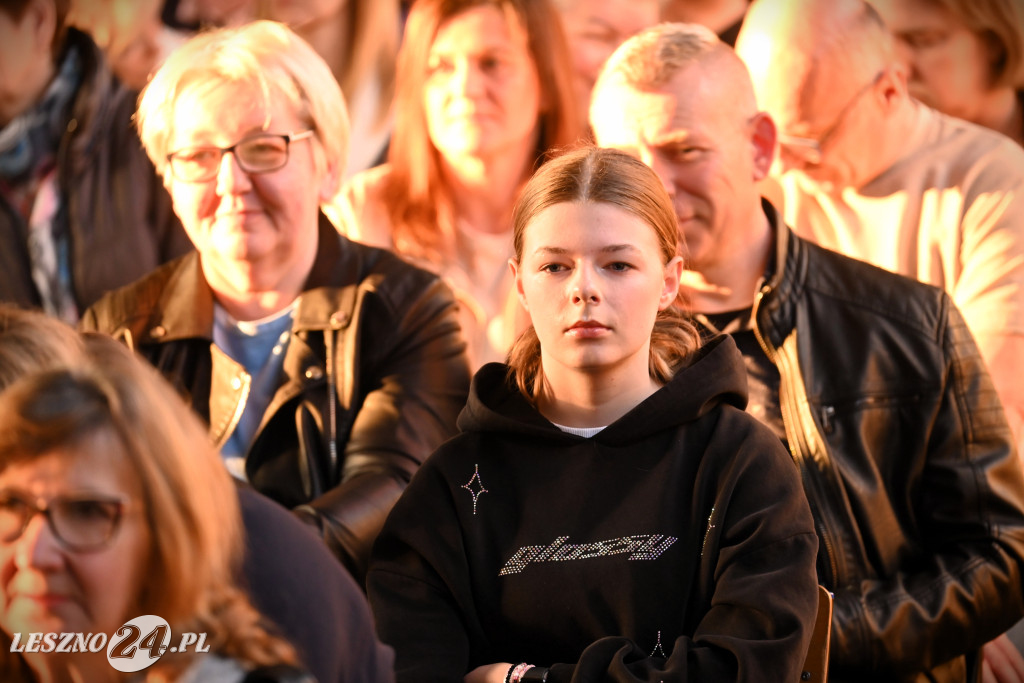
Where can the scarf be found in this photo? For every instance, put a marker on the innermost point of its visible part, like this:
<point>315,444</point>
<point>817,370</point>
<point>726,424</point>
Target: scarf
<point>28,180</point>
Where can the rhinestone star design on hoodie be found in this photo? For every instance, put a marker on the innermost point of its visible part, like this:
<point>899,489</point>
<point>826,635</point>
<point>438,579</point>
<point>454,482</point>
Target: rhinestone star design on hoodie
<point>475,491</point>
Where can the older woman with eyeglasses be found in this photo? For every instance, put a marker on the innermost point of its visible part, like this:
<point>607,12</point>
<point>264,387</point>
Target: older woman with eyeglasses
<point>113,505</point>
<point>327,370</point>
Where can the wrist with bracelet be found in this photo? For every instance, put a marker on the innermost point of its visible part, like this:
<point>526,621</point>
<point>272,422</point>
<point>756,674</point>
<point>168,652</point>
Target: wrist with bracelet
<point>526,673</point>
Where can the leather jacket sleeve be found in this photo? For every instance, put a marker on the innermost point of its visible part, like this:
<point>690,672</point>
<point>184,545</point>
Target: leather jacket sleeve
<point>969,495</point>
<point>420,382</point>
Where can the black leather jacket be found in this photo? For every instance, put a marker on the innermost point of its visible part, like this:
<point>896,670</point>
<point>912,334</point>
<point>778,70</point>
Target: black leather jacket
<point>906,459</point>
<point>119,215</point>
<point>374,376</point>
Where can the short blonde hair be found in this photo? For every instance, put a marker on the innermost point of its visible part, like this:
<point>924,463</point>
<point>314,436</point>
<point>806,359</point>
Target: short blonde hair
<point>265,56</point>
<point>653,57</point>
<point>650,59</point>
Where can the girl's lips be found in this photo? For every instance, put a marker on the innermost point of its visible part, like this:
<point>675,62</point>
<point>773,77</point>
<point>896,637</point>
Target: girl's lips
<point>587,330</point>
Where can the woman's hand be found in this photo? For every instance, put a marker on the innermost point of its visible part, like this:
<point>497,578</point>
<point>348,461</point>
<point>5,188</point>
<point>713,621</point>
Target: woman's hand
<point>1002,662</point>
<point>489,673</point>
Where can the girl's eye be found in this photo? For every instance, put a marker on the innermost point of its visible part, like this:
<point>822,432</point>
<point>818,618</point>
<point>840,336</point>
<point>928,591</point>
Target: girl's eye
<point>619,266</point>
<point>552,268</point>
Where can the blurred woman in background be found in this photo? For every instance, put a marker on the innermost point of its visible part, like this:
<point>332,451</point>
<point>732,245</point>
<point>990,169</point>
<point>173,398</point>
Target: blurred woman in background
<point>359,41</point>
<point>964,57</point>
<point>594,28</point>
<point>484,92</point>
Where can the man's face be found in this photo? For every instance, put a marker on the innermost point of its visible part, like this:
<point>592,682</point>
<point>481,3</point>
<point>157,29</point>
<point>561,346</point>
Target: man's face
<point>823,119</point>
<point>704,156</point>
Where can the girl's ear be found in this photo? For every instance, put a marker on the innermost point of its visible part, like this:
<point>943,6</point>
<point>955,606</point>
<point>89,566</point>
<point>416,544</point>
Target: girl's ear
<point>514,267</point>
<point>670,289</point>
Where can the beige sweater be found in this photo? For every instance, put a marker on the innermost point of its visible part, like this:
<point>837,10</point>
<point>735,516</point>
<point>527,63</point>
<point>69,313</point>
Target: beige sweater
<point>949,213</point>
<point>479,276</point>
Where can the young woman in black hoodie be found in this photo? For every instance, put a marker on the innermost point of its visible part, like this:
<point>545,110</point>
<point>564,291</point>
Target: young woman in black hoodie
<point>609,512</point>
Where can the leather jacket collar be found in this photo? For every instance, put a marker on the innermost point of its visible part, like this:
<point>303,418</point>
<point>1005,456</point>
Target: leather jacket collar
<point>775,303</point>
<point>185,308</point>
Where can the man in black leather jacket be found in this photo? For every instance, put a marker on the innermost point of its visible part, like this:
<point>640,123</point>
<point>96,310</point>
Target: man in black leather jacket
<point>871,379</point>
<point>363,370</point>
<point>66,126</point>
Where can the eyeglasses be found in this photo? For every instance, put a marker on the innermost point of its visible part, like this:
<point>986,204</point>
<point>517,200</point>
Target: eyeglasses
<point>80,523</point>
<point>810,149</point>
<point>260,153</point>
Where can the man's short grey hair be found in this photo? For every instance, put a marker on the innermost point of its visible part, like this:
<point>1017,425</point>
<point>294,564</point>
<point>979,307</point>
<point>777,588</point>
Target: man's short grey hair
<point>652,57</point>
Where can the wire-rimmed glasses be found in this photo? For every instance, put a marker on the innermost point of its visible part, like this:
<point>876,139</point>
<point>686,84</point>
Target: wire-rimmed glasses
<point>810,149</point>
<point>259,153</point>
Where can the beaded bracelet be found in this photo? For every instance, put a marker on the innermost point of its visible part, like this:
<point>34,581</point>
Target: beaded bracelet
<point>516,671</point>
<point>535,674</point>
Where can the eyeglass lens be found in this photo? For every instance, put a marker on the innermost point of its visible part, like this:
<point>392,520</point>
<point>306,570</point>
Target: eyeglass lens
<point>257,154</point>
<point>79,523</point>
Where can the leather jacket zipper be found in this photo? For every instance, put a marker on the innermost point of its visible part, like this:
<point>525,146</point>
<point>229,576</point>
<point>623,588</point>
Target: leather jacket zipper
<point>826,414</point>
<point>332,401</point>
<point>798,443</point>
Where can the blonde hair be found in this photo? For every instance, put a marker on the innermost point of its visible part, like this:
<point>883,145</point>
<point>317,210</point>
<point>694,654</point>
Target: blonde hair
<point>603,176</point>
<point>265,56</point>
<point>649,59</point>
<point>190,503</point>
<point>652,58</point>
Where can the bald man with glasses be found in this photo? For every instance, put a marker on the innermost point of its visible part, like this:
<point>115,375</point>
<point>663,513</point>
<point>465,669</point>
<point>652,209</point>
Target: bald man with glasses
<point>866,170</point>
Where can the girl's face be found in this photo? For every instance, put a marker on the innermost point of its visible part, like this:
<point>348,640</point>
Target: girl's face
<point>482,95</point>
<point>592,278</point>
<point>47,585</point>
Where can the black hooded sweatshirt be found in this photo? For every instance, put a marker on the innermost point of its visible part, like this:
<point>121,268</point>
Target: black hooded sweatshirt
<point>675,545</point>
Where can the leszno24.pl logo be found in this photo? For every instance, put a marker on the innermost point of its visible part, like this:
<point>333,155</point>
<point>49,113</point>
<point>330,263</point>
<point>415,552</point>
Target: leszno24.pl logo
<point>135,646</point>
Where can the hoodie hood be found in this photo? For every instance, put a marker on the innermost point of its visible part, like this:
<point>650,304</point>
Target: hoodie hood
<point>715,375</point>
